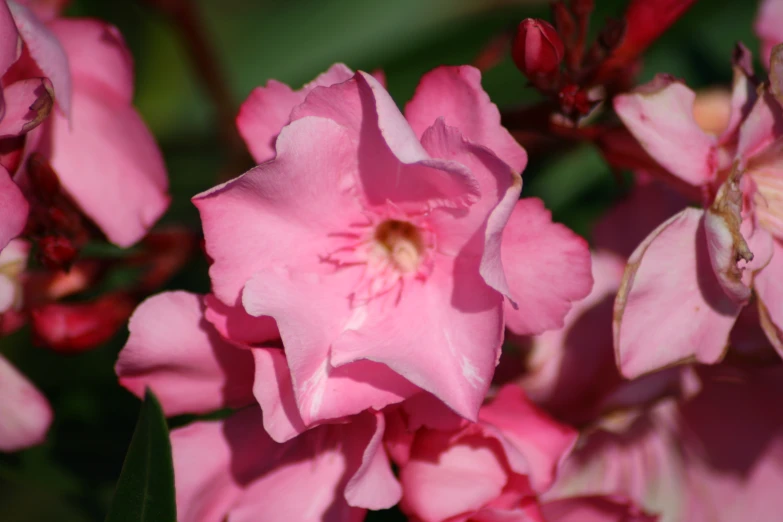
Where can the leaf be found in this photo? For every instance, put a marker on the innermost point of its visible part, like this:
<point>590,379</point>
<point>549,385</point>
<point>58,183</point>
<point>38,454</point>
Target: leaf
<point>145,489</point>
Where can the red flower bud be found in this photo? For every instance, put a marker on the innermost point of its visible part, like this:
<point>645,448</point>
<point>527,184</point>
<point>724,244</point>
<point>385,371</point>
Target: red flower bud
<point>537,48</point>
<point>76,327</point>
<point>56,252</point>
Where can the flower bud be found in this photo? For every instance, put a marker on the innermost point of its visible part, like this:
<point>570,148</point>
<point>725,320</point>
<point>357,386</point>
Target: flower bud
<point>76,327</point>
<point>537,48</point>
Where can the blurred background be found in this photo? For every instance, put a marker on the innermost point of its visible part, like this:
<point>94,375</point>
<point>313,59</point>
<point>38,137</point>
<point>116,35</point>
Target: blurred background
<point>71,477</point>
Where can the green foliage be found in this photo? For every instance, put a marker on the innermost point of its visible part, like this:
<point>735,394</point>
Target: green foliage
<point>145,489</point>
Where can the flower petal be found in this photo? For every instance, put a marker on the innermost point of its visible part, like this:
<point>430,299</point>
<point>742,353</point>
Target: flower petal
<point>109,163</point>
<point>445,478</point>
<point>541,441</point>
<point>25,414</point>
<point>173,350</point>
<point>453,354</point>
<point>97,56</point>
<point>27,104</point>
<point>767,284</point>
<point>47,52</point>
<point>393,165</point>
<point>309,322</point>
<point>282,210</point>
<point>268,109</point>
<point>671,307</point>
<point>547,266</point>
<point>660,116</point>
<point>455,94</point>
<point>594,509</point>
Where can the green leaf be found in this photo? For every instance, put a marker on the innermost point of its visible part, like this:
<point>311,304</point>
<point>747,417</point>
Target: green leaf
<point>145,489</point>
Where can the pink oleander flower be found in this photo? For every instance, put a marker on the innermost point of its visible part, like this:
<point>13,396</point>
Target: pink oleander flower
<point>455,470</point>
<point>376,241</point>
<point>769,27</point>
<point>25,414</point>
<point>687,282</point>
<point>232,468</point>
<point>104,156</point>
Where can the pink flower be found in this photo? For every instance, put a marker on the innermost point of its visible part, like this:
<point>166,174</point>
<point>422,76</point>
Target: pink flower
<point>489,470</point>
<point>105,157</point>
<point>365,222</point>
<point>233,468</point>
<point>689,279</point>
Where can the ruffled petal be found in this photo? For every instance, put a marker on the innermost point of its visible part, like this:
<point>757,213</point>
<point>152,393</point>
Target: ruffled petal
<point>547,266</point>
<point>268,109</point>
<point>173,350</point>
<point>671,307</point>
<point>660,116</point>
<point>455,94</point>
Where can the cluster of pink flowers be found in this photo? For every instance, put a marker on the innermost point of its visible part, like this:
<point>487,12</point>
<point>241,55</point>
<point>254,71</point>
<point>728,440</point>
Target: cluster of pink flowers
<point>74,156</point>
<point>391,321</point>
<point>366,274</point>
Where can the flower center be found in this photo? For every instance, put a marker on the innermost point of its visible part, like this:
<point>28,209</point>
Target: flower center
<point>400,244</point>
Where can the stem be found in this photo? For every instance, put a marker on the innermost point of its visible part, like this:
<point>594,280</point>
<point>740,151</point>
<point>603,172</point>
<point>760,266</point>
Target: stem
<point>183,15</point>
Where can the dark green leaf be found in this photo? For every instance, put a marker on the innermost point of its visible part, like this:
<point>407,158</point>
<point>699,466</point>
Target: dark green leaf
<point>145,490</point>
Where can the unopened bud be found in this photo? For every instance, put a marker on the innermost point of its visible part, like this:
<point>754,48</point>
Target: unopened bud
<point>76,327</point>
<point>537,49</point>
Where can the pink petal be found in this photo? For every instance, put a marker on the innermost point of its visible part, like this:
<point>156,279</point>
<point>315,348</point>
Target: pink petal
<point>214,462</point>
<point>238,326</point>
<point>108,161</point>
<point>289,206</point>
<point>451,355</point>
<point>25,414</point>
<point>173,350</point>
<point>393,165</point>
<point>28,103</point>
<point>542,442</point>
<point>97,55</point>
<point>455,94</point>
<point>499,187</point>
<point>309,322</point>
<point>372,485</point>
<point>660,116</point>
<point>47,52</point>
<point>594,509</point>
<point>9,39</point>
<point>761,128</point>
<point>735,468</point>
<point>446,477</point>
<point>274,391</point>
<point>671,307</point>
<point>743,93</point>
<point>13,207</point>
<point>547,266</point>
<point>268,109</point>
<point>767,284</point>
<point>233,470</point>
